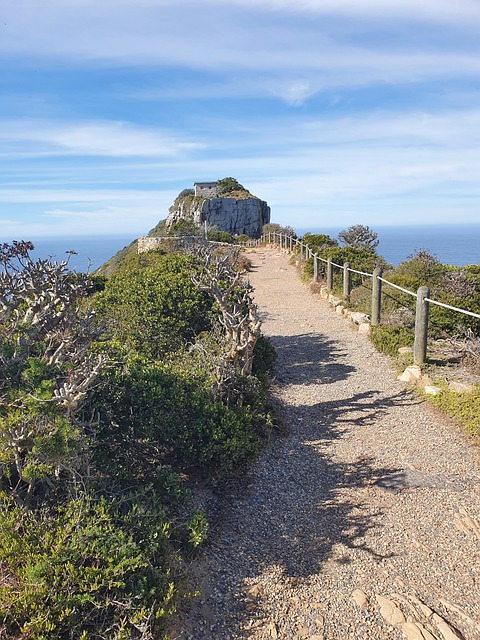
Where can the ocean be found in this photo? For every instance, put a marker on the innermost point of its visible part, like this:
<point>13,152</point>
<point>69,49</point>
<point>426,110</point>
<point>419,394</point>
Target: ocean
<point>451,244</point>
<point>91,251</point>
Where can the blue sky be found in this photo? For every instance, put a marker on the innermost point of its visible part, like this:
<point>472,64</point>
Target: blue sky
<point>336,112</point>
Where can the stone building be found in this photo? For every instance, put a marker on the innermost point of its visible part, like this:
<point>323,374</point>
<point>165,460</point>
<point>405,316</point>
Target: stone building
<point>205,189</point>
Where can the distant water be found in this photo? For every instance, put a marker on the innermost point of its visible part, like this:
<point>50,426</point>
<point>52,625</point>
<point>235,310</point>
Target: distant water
<point>91,252</point>
<point>451,244</point>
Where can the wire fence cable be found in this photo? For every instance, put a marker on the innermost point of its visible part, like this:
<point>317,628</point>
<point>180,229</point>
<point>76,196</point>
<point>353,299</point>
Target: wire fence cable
<point>370,275</point>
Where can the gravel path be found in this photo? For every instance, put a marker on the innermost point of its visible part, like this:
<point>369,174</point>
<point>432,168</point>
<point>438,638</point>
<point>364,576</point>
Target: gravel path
<point>362,523</point>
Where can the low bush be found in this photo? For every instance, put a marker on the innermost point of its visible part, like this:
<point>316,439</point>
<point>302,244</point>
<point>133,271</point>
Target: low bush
<point>229,185</point>
<point>463,407</point>
<point>388,339</point>
<point>242,237</point>
<point>273,227</point>
<point>105,414</point>
<point>152,306</point>
<point>215,235</point>
<point>152,414</point>
<point>264,356</point>
<point>85,569</point>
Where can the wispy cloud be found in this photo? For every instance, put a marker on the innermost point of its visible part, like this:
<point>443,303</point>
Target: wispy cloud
<point>327,36</point>
<point>433,10</point>
<point>323,107</point>
<point>111,139</point>
<point>343,165</point>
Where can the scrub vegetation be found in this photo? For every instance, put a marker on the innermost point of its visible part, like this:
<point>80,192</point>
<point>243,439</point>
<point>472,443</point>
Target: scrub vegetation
<point>118,396</point>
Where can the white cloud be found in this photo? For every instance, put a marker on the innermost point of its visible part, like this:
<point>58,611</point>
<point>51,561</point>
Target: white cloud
<point>435,10</point>
<point>111,139</point>
<point>327,38</point>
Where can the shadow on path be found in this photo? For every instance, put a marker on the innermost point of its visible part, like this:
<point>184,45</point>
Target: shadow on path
<point>310,359</point>
<point>299,512</point>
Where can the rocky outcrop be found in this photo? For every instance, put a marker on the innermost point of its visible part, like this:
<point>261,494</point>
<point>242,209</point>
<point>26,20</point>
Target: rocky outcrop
<point>244,215</point>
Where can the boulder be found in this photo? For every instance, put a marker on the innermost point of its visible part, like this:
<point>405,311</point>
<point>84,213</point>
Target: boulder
<point>411,374</point>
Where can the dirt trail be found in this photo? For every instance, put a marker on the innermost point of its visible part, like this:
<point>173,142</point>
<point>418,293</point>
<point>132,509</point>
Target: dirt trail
<point>363,523</point>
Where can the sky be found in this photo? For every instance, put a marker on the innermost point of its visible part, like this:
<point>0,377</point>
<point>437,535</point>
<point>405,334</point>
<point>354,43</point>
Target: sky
<point>336,112</point>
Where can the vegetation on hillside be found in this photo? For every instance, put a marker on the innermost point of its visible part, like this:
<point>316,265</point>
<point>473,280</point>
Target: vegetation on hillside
<point>228,186</point>
<point>114,394</point>
<point>359,236</point>
<point>273,227</point>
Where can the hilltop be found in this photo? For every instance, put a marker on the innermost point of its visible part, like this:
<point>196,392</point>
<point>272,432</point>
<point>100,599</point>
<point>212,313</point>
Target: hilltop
<point>224,205</point>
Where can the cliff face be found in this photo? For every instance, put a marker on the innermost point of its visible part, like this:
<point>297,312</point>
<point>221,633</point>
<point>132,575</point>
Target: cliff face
<point>245,215</point>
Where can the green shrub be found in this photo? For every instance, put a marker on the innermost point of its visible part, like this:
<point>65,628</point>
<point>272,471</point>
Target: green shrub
<point>462,407</point>
<point>184,228</point>
<point>274,227</point>
<point>389,339</point>
<point>228,185</point>
<point>319,241</point>
<point>85,570</point>
<point>264,356</point>
<point>421,268</point>
<point>456,286</point>
<point>242,237</point>
<point>155,309</point>
<point>153,414</point>
<point>215,235</point>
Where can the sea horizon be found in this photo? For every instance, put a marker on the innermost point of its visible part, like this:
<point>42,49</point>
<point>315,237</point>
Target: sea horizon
<point>455,244</point>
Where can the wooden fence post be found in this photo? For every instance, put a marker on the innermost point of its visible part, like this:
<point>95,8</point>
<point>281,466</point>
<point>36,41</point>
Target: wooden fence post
<point>329,274</point>
<point>291,244</point>
<point>421,327</point>
<point>346,281</point>
<point>376,296</point>
<point>301,250</point>
<point>315,267</point>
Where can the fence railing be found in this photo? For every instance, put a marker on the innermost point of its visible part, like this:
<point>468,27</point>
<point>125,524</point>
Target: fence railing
<point>422,295</point>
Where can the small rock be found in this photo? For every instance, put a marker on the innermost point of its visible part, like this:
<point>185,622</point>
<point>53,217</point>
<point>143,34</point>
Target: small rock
<point>445,629</point>
<point>413,631</point>
<point>460,387</point>
<point>432,390</point>
<point>360,598</point>
<point>339,309</point>
<point>411,374</point>
<point>364,327</point>
<point>334,301</point>
<point>272,628</point>
<point>390,611</point>
<point>358,317</point>
<point>304,632</point>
